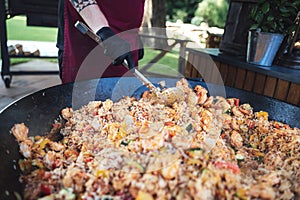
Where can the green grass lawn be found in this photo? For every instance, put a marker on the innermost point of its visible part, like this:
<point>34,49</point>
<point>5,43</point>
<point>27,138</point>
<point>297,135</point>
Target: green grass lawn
<point>17,30</point>
<point>170,60</point>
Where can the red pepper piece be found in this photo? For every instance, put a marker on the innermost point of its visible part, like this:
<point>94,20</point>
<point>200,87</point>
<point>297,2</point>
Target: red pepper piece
<point>227,165</point>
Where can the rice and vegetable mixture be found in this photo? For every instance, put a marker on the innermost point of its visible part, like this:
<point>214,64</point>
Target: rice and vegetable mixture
<point>144,150</point>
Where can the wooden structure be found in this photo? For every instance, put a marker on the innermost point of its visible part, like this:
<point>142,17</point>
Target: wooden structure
<point>234,41</point>
<point>277,82</point>
<point>163,51</point>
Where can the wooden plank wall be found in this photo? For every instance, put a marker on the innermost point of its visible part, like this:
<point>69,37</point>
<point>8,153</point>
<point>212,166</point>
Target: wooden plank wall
<point>199,65</point>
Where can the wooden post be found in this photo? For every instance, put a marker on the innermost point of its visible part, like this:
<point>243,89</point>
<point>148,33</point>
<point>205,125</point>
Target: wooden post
<point>182,55</point>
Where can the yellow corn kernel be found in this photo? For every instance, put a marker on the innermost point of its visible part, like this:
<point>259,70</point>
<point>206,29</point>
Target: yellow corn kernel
<point>144,196</point>
<point>193,162</point>
<point>262,114</point>
<point>38,164</point>
<point>44,143</point>
<point>102,173</point>
<point>241,193</point>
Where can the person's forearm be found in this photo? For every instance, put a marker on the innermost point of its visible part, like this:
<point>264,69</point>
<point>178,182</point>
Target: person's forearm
<point>91,13</point>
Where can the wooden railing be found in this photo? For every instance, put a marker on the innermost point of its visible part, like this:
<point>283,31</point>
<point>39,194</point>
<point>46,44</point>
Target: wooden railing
<point>277,82</point>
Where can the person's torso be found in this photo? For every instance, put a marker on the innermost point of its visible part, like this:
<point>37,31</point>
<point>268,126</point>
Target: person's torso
<point>123,15</point>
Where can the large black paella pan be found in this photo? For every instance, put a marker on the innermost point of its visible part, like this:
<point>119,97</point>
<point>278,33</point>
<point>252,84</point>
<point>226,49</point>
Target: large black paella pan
<point>39,110</point>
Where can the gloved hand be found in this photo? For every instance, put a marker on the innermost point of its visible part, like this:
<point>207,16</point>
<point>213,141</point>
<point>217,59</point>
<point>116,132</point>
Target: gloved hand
<point>115,47</point>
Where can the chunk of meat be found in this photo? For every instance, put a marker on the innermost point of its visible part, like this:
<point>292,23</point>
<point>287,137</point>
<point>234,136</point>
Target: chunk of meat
<point>67,113</point>
<point>201,93</point>
<point>236,139</point>
<point>26,147</point>
<point>20,131</point>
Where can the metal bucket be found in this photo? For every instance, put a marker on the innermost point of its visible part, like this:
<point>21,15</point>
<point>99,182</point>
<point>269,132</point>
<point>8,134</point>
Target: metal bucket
<point>262,47</point>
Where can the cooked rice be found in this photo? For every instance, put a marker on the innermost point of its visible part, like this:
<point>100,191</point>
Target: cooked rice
<point>142,149</point>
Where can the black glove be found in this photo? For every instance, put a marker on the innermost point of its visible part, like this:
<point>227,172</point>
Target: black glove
<point>115,47</point>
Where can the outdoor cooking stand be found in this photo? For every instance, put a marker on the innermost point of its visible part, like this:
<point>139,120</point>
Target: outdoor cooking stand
<point>38,13</point>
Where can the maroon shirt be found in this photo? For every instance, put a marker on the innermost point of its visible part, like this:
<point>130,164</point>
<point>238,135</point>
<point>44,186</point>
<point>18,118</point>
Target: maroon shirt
<point>83,58</point>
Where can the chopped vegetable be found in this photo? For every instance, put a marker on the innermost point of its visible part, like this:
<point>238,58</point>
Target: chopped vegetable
<point>262,114</point>
<point>239,157</point>
<point>189,127</point>
<point>144,196</point>
<point>137,165</point>
<point>102,173</point>
<point>125,142</point>
<point>195,149</point>
<point>227,165</point>
<point>228,111</point>
<point>46,190</point>
<point>241,193</point>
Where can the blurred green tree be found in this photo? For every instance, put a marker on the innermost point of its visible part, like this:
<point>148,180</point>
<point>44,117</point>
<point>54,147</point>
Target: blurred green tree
<point>181,10</point>
<point>213,12</point>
